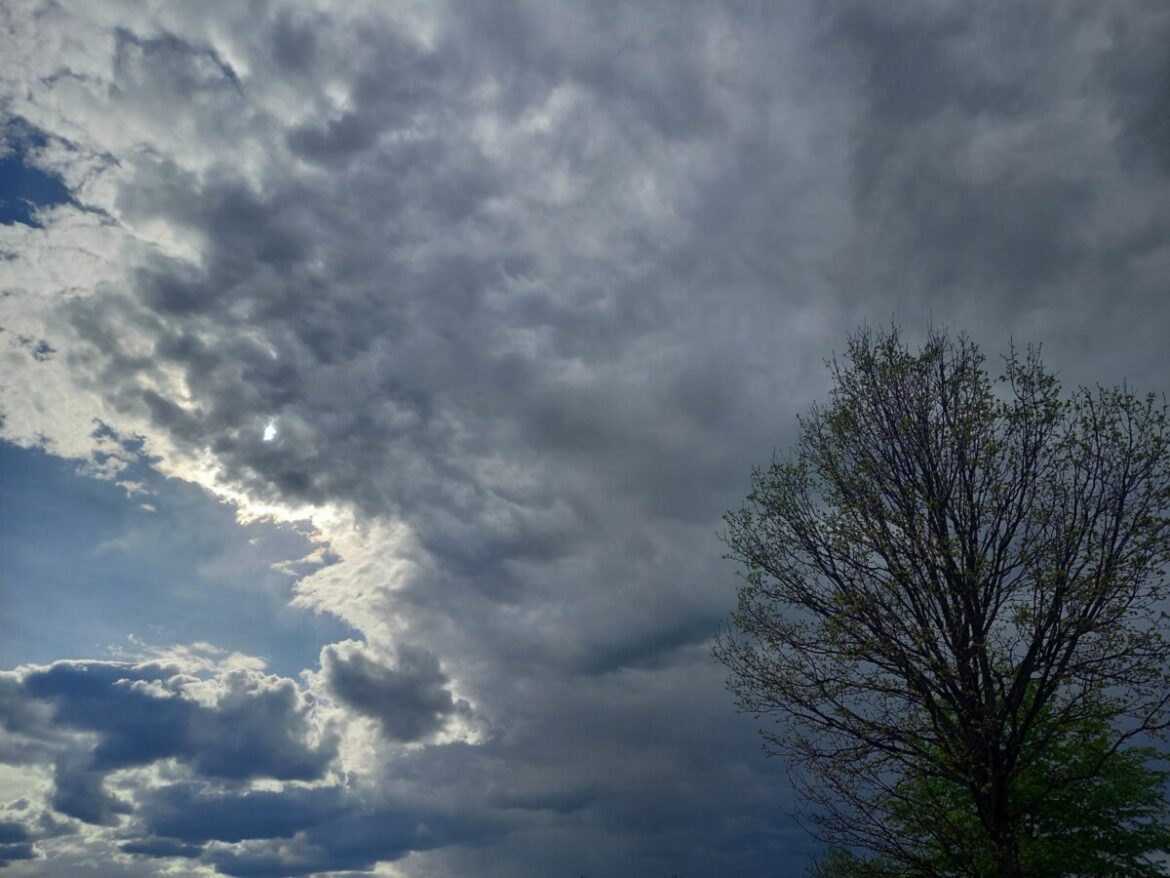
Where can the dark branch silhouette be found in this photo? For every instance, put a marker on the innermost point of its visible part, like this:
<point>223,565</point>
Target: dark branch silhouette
<point>946,579</point>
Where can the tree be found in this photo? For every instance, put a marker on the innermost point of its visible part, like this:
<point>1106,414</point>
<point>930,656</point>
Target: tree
<point>947,582</point>
<point>1086,808</point>
<point>1090,810</point>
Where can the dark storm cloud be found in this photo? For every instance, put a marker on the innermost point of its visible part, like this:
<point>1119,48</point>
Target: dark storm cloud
<point>194,814</point>
<point>1136,71</point>
<point>357,842</point>
<point>19,851</point>
<point>389,293</point>
<point>295,831</point>
<point>15,842</point>
<point>387,95</point>
<point>587,773</point>
<point>79,791</point>
<point>931,95</point>
<point>12,832</point>
<point>411,700</point>
<point>1003,174</point>
<point>162,848</point>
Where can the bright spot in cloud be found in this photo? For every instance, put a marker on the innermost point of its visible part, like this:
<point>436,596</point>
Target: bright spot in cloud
<point>270,431</point>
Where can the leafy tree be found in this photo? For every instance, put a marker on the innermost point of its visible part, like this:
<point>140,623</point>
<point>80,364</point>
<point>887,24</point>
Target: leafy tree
<point>1090,811</point>
<point>951,585</point>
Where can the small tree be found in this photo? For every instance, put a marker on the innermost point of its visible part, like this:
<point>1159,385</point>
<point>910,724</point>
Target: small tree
<point>947,582</point>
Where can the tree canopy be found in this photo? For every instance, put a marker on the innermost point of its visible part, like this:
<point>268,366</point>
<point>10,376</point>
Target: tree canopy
<point>1088,810</point>
<point>954,585</point>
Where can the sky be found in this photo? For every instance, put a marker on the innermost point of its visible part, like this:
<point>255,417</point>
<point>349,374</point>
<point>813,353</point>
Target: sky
<point>374,377</point>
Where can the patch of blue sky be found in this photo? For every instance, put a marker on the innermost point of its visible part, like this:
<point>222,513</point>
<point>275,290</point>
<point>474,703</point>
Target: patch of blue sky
<point>85,565</point>
<point>23,186</point>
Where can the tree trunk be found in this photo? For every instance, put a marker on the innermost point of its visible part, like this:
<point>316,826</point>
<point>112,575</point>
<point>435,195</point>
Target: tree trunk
<point>1011,868</point>
<point>1008,856</point>
<point>1000,829</point>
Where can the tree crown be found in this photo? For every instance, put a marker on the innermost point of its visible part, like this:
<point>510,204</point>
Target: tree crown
<point>949,578</point>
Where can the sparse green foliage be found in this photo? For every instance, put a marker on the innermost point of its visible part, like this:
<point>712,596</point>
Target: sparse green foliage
<point>1088,810</point>
<point>951,602</point>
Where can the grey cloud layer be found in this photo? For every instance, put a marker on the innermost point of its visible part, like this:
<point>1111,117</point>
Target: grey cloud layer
<point>542,282</point>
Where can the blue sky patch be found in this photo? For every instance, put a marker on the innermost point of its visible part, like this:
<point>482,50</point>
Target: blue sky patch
<point>106,567</point>
<point>25,187</point>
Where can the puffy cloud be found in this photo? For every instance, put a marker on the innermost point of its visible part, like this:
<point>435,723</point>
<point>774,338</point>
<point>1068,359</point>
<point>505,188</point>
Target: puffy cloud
<point>411,700</point>
<point>234,725</point>
<point>168,752</point>
<point>239,725</point>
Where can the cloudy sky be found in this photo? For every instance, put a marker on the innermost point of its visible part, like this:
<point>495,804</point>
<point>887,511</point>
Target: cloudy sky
<point>375,376</point>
